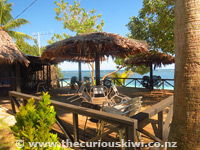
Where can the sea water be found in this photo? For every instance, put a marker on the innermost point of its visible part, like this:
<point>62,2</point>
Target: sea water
<point>164,73</point>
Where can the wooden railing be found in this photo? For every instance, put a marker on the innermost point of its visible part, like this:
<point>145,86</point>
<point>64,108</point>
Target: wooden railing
<point>130,82</point>
<point>161,131</point>
<point>136,122</point>
<point>122,122</point>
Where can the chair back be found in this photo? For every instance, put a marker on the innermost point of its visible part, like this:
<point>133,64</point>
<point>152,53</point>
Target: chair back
<point>99,91</point>
<point>107,83</point>
<point>86,79</point>
<point>74,80</point>
<point>134,106</point>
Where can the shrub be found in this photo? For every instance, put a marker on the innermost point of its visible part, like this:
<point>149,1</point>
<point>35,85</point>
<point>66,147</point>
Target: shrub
<point>34,124</point>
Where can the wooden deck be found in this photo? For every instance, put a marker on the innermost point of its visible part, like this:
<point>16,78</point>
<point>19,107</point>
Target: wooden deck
<point>68,120</point>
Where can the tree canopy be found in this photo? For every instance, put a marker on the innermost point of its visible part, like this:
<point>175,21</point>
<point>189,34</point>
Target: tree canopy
<point>75,19</point>
<point>155,25</point>
<point>8,24</point>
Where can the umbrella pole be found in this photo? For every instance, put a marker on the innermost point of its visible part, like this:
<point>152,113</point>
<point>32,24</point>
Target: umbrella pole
<point>79,71</point>
<point>151,77</point>
<point>97,69</point>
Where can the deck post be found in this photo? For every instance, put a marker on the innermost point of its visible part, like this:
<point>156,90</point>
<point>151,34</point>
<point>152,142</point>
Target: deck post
<point>79,71</point>
<point>151,77</point>
<point>75,127</point>
<point>160,125</point>
<point>18,77</point>
<point>12,105</point>
<point>97,68</point>
<point>131,135</point>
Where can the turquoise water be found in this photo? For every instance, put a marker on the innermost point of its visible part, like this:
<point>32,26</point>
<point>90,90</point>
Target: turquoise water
<point>164,73</point>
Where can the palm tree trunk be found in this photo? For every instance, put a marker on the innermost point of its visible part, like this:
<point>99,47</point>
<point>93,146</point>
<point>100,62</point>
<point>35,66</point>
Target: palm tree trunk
<point>185,128</point>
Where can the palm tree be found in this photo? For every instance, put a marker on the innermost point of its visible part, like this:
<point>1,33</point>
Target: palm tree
<point>8,24</point>
<point>185,129</point>
<point>125,74</point>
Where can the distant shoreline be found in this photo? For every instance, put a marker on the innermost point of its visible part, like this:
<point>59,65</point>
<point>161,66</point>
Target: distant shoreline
<point>106,70</point>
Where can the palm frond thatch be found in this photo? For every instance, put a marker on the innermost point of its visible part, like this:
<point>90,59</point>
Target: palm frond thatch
<point>87,45</point>
<point>9,53</point>
<point>148,58</point>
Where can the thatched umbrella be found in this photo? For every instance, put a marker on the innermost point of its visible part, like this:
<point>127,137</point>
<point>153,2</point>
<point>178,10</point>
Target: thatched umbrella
<point>9,53</point>
<point>74,59</point>
<point>94,46</point>
<point>150,58</point>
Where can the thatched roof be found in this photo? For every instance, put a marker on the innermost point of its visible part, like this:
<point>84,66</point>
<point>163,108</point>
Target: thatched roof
<point>72,59</point>
<point>9,53</point>
<point>148,58</point>
<point>87,45</point>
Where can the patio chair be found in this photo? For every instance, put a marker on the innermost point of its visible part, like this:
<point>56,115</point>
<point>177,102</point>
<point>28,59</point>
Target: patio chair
<point>73,84</point>
<point>86,79</point>
<point>82,93</point>
<point>41,84</point>
<point>125,108</point>
<point>91,106</point>
<point>116,96</point>
<point>98,94</point>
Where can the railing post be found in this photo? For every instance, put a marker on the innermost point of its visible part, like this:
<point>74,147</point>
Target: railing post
<point>160,125</point>
<point>163,84</point>
<point>131,135</point>
<point>12,105</point>
<point>75,127</point>
<point>135,83</point>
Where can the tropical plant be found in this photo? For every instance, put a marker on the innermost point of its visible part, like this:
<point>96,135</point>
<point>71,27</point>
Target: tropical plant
<point>8,24</point>
<point>155,25</point>
<point>34,124</point>
<point>125,74</point>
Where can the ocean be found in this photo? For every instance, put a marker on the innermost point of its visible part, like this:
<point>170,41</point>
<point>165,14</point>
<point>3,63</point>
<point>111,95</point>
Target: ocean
<point>164,73</point>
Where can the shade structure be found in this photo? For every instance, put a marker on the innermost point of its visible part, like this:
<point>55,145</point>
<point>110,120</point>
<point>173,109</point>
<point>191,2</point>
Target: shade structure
<point>9,53</point>
<point>94,46</point>
<point>151,58</point>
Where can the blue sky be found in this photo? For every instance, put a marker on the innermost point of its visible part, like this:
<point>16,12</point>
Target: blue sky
<point>115,13</point>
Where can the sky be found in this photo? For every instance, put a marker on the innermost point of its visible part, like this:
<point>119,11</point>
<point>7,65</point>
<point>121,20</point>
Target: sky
<point>115,13</point>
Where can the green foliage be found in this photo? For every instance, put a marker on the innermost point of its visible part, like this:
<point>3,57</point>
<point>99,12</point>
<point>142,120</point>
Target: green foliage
<point>8,24</point>
<point>58,37</point>
<point>125,74</point>
<point>137,69</point>
<point>60,75</point>
<point>27,48</point>
<point>34,124</point>
<point>75,19</point>
<point>155,24</point>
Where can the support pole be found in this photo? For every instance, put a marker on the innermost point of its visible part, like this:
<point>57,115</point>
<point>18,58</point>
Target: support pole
<point>151,77</point>
<point>79,71</point>
<point>18,77</point>
<point>97,69</point>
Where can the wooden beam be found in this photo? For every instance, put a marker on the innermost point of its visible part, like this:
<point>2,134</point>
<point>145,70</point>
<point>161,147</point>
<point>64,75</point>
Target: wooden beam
<point>64,130</point>
<point>144,116</point>
<point>18,77</point>
<point>160,125</point>
<point>75,127</point>
<point>79,71</point>
<point>151,77</point>
<point>131,135</point>
<point>115,129</point>
<point>111,118</point>
<point>97,69</point>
